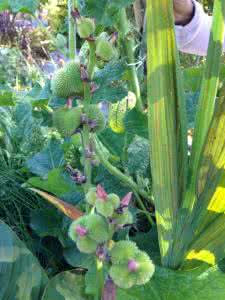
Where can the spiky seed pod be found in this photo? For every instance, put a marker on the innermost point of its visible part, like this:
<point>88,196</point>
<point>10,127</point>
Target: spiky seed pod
<point>123,218</point>
<point>134,269</point>
<point>91,196</point>
<point>67,81</point>
<point>85,27</point>
<point>67,120</point>
<point>87,245</point>
<point>122,251</point>
<point>104,207</point>
<point>114,199</point>
<point>76,140</point>
<point>96,119</point>
<point>98,228</point>
<point>104,49</point>
<point>73,232</point>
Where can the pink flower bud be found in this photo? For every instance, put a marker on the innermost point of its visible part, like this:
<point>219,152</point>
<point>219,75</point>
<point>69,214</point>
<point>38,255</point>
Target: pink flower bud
<point>81,231</point>
<point>126,200</point>
<point>132,265</point>
<point>101,193</point>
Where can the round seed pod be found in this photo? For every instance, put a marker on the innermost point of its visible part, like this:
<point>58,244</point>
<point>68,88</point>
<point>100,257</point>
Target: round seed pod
<point>123,250</point>
<point>91,196</point>
<point>76,140</point>
<point>85,27</point>
<point>114,199</point>
<point>87,245</point>
<point>96,118</point>
<point>104,207</point>
<point>123,218</point>
<point>136,269</point>
<point>73,233</point>
<point>67,82</point>
<point>67,120</point>
<point>104,50</point>
<point>98,228</point>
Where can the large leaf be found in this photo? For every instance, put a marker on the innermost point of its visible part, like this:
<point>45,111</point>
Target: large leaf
<point>167,122</point>
<point>27,6</point>
<point>176,285</point>
<point>207,97</point>
<point>7,98</point>
<point>43,162</point>
<point>66,286</point>
<point>21,276</point>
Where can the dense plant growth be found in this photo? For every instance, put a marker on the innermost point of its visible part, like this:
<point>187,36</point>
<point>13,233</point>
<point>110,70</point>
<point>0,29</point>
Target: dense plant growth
<point>132,210</point>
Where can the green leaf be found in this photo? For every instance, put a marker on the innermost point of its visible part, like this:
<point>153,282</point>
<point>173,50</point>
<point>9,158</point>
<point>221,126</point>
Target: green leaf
<point>7,98</point>
<point>21,276</point>
<point>138,156</point>
<point>108,82</point>
<point>39,96</point>
<point>46,160</point>
<point>56,183</point>
<point>77,259</point>
<point>176,285</point>
<point>113,142</point>
<point>25,6</point>
<point>167,122</point>
<point>4,4</point>
<point>66,286</point>
<point>46,222</point>
<point>136,123</point>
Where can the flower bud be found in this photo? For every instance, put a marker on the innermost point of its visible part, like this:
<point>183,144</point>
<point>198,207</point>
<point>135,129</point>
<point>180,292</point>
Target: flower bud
<point>85,27</point>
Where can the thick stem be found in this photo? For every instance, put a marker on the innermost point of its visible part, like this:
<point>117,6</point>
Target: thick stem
<point>100,279</point>
<point>129,45</point>
<point>72,30</point>
<point>128,181</point>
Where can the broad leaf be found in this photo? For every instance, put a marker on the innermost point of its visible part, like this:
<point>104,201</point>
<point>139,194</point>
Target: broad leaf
<point>46,160</point>
<point>26,6</point>
<point>176,285</point>
<point>7,98</point>
<point>21,276</point>
<point>66,286</point>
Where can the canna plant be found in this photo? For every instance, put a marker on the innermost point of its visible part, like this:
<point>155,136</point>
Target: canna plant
<point>188,192</point>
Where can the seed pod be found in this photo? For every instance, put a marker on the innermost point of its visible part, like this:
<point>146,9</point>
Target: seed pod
<point>135,267</point>
<point>87,245</point>
<point>123,250</point>
<point>98,228</point>
<point>114,199</point>
<point>104,49</point>
<point>76,140</point>
<point>85,27</point>
<point>96,119</point>
<point>122,218</point>
<point>67,120</point>
<point>104,207</point>
<point>91,196</point>
<point>67,81</point>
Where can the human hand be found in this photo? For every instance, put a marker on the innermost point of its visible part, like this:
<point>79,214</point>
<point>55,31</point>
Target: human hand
<point>183,11</point>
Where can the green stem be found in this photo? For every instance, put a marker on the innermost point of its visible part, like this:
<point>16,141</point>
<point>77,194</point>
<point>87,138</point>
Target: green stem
<point>144,210</point>
<point>87,102</point>
<point>72,30</point>
<point>100,279</point>
<point>117,173</point>
<point>129,45</point>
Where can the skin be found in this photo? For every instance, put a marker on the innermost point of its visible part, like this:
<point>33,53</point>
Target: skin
<point>183,11</point>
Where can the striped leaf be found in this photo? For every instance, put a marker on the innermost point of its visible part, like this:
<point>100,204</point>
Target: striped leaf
<point>167,121</point>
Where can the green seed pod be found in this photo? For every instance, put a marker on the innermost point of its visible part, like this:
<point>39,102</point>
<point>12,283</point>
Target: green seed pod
<point>67,81</point>
<point>123,219</point>
<point>98,228</point>
<point>121,276</point>
<point>146,268</point>
<point>85,27</point>
<point>114,199</point>
<point>91,196</point>
<point>123,250</point>
<point>67,120</point>
<point>136,269</point>
<point>104,207</point>
<point>96,118</point>
<point>104,49</point>
<point>87,245</point>
<point>73,234</point>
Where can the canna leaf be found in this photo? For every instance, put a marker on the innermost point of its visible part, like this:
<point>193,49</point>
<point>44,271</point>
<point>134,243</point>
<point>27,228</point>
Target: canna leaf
<point>167,122</point>
<point>207,97</point>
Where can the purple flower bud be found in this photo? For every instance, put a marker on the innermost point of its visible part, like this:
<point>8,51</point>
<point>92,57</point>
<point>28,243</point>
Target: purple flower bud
<point>81,231</point>
<point>132,265</point>
<point>75,14</point>
<point>126,200</point>
<point>84,119</point>
<point>84,73</point>
<point>109,291</point>
<point>101,253</point>
<point>101,193</point>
